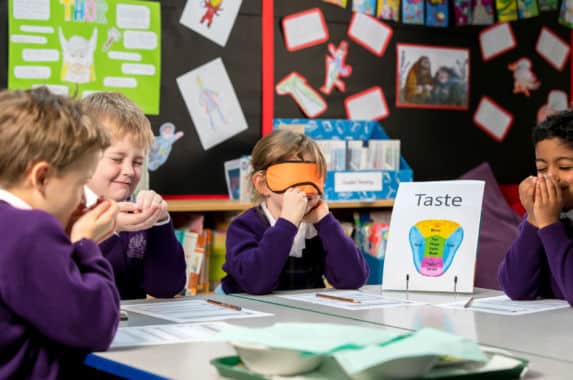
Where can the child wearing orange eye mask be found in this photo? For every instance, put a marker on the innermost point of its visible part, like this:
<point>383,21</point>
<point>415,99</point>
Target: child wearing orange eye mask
<point>290,240</point>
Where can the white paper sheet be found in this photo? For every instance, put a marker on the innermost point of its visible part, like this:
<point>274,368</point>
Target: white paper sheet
<point>31,9</point>
<point>165,334</point>
<point>505,306</point>
<point>212,103</point>
<point>493,119</point>
<point>304,29</point>
<point>213,24</point>
<point>369,104</point>
<point>496,40</point>
<point>367,300</point>
<point>433,236</point>
<point>370,33</point>
<point>552,48</point>
<point>191,311</point>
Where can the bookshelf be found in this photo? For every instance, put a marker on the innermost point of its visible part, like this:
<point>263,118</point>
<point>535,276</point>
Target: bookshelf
<point>182,205</point>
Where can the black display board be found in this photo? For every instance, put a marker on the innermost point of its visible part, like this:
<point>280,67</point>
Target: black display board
<point>438,144</point>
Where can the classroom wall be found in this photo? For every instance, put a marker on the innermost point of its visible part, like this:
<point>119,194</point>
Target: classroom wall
<point>438,144</point>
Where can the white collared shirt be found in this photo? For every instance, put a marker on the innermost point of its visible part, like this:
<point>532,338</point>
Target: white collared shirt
<point>13,200</point>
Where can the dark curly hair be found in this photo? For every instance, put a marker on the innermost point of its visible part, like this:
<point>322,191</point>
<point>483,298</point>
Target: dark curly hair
<point>558,125</point>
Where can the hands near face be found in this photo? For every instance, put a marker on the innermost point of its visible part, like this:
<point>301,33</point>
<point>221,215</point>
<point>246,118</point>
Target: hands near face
<point>148,209</point>
<point>298,207</point>
<point>97,223</point>
<point>541,197</point>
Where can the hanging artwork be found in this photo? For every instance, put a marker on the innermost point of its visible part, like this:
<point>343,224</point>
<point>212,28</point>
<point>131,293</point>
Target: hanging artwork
<point>306,97</point>
<point>524,79</point>
<point>389,10</point>
<point>556,102</point>
<point>413,12</point>
<point>496,40</point>
<point>213,19</point>
<point>482,12</point>
<point>364,6</point>
<point>493,119</point>
<point>336,68</point>
<point>162,144</point>
<point>432,77</point>
<point>462,12</point>
<point>437,13</point>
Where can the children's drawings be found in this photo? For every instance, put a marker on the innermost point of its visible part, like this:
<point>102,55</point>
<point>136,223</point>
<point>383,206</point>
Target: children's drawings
<point>212,103</point>
<point>307,98</point>
<point>78,65</point>
<point>336,68</point>
<point>462,12</point>
<point>493,119</point>
<point>389,10</point>
<point>212,9</point>
<point>496,40</point>
<point>524,80</point>
<point>162,145</point>
<point>304,29</point>
<point>482,12</point>
<point>213,19</point>
<point>113,36</point>
<point>364,6</point>
<point>370,33</point>
<point>369,104</point>
<point>434,245</point>
<point>552,48</point>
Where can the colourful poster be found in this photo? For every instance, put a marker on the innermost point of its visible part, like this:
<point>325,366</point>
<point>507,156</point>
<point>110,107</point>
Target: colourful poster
<point>506,10</point>
<point>527,8</point>
<point>413,12</point>
<point>437,13</point>
<point>389,10</point>
<point>76,47</point>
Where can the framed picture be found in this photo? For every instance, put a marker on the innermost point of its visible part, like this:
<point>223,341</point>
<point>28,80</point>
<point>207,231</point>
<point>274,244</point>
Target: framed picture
<point>432,77</point>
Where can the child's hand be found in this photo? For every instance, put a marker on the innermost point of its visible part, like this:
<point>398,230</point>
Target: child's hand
<point>316,214</point>
<point>149,198</point>
<point>527,197</point>
<point>548,201</point>
<point>294,206</point>
<point>132,218</point>
<point>96,224</point>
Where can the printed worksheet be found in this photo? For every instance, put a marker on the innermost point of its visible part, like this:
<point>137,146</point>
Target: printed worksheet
<point>165,334</point>
<point>349,299</point>
<point>504,306</point>
<point>192,311</point>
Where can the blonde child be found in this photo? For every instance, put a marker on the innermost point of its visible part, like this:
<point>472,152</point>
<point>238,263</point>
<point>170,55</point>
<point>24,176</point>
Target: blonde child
<point>58,300</point>
<point>291,240</point>
<point>539,263</point>
<point>144,253</point>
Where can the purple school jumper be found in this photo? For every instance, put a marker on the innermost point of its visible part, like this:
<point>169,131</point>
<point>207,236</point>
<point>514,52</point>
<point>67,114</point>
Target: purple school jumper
<point>58,300</point>
<point>539,263</point>
<point>258,260</point>
<point>146,262</point>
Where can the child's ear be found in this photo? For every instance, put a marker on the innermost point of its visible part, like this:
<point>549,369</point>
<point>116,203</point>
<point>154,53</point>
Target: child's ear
<point>38,175</point>
<point>260,184</point>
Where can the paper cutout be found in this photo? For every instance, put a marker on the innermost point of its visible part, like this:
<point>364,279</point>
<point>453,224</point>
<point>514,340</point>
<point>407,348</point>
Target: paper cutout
<point>437,13</point>
<point>364,6</point>
<point>162,144</point>
<point>566,13</point>
<point>506,10</point>
<point>369,104</point>
<point>482,12</point>
<point>434,245</point>
<point>370,33</point>
<point>304,29</point>
<point>389,10</point>
<point>113,35</point>
<point>527,8</point>
<point>496,40</point>
<point>336,68</point>
<point>309,100</point>
<point>212,103</point>
<point>78,53</point>
<point>462,12</point>
<point>213,19</point>
<point>413,12</point>
<point>524,79</point>
<point>556,102</point>
<point>493,119</point>
<point>551,47</point>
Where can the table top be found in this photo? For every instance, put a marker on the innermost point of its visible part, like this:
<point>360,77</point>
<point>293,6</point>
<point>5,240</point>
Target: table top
<point>191,360</point>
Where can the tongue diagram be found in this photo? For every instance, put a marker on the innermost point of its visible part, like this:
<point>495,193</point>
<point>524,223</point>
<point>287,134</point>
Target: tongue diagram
<point>434,245</point>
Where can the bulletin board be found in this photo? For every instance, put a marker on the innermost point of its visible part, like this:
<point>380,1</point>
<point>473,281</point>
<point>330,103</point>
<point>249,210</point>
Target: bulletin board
<point>438,143</point>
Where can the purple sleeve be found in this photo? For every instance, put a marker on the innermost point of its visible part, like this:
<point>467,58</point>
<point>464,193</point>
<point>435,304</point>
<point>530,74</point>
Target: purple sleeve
<point>345,267</point>
<point>522,274</point>
<point>164,263</point>
<point>559,252</point>
<point>66,291</point>
<point>256,264</point>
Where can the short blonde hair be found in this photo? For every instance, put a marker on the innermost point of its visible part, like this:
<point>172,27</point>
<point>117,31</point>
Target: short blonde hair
<point>282,145</point>
<point>37,125</point>
<point>120,116</point>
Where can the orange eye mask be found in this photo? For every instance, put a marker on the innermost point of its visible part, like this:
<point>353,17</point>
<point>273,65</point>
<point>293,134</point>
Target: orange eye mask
<point>300,174</point>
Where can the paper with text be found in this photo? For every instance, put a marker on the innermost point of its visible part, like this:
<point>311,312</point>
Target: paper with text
<point>505,306</point>
<point>366,300</point>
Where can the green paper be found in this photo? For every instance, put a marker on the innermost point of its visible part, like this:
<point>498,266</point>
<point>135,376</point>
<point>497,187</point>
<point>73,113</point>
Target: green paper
<point>111,45</point>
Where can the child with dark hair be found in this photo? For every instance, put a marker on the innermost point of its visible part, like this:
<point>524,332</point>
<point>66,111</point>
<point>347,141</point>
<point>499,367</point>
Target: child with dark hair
<point>539,263</point>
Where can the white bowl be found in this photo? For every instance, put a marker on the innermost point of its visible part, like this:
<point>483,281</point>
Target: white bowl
<point>275,361</point>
